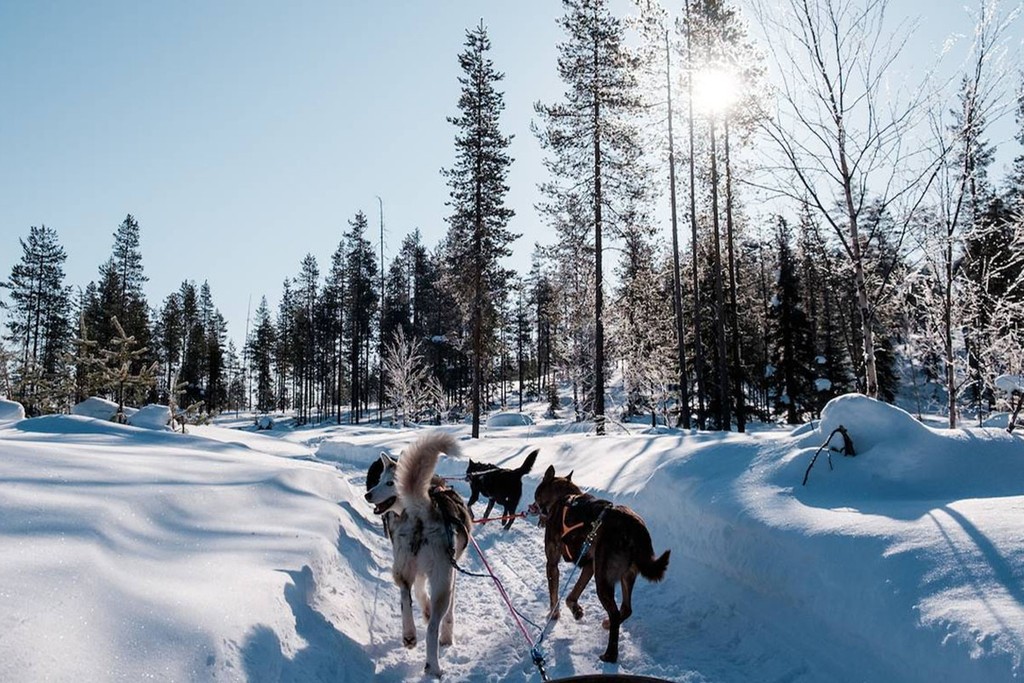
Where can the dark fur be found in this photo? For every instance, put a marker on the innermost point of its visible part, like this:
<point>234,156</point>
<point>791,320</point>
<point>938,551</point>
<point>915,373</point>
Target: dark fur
<point>499,485</point>
<point>621,549</point>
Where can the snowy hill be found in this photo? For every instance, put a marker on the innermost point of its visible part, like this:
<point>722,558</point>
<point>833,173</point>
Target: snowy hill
<point>229,555</point>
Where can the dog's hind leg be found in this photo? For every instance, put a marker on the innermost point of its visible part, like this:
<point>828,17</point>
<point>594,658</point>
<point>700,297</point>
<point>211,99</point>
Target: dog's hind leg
<point>627,581</point>
<point>572,600</point>
<point>606,594</point>
<point>408,625</point>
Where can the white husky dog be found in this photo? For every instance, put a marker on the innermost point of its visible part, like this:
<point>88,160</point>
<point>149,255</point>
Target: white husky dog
<point>429,532</point>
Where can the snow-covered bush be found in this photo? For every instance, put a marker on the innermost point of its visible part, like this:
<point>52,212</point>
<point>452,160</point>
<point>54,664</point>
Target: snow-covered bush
<point>152,416</point>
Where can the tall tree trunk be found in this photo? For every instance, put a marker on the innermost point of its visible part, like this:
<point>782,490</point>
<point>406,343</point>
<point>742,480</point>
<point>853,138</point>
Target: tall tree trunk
<point>724,419</point>
<point>598,277</point>
<point>698,343</point>
<point>677,301</point>
<point>737,367</point>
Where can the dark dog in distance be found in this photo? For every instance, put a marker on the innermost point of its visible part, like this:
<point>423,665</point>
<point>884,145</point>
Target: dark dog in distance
<point>499,485</point>
<point>621,548</point>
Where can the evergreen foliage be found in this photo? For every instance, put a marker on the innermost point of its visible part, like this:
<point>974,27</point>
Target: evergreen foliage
<point>478,237</point>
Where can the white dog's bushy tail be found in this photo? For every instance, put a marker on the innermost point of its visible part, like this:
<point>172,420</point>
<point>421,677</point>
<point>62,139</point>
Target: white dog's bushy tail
<point>417,464</point>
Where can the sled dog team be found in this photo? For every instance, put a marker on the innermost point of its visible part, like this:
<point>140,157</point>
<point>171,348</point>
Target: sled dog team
<point>430,526</point>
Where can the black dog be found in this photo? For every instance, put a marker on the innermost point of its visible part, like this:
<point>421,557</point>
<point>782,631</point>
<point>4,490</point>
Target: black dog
<point>498,484</point>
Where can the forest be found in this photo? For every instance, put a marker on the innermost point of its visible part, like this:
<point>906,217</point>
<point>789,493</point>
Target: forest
<point>889,261</point>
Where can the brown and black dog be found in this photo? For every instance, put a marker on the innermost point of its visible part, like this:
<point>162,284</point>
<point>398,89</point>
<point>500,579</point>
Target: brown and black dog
<point>620,549</point>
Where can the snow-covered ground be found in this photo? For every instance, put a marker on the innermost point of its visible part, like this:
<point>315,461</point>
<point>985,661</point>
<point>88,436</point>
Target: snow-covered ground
<point>225,554</point>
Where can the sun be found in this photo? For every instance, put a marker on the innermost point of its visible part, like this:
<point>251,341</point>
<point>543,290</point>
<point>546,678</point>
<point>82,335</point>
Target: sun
<point>715,90</point>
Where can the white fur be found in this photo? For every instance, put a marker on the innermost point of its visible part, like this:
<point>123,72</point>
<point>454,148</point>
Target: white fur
<point>420,547</point>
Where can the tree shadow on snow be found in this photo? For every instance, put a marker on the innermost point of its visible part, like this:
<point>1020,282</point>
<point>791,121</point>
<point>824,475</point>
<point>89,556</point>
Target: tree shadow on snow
<point>328,655</point>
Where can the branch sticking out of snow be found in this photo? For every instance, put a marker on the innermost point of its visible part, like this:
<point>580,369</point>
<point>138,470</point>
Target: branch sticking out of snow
<point>847,449</point>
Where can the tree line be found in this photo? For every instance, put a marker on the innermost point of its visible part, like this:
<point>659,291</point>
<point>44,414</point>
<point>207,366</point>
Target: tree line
<point>889,263</point>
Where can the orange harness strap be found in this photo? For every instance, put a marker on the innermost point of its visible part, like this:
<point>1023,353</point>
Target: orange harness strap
<point>568,528</point>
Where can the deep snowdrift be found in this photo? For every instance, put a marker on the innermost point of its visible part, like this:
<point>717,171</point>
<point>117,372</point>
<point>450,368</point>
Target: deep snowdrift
<point>224,554</point>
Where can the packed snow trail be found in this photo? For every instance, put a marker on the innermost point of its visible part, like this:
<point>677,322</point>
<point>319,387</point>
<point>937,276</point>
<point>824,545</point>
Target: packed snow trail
<point>229,555</point>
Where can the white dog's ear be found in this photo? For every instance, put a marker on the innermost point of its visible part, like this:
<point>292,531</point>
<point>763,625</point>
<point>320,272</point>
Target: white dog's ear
<point>387,459</point>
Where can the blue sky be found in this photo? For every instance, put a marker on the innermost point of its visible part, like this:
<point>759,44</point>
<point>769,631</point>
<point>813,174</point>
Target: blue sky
<point>243,135</point>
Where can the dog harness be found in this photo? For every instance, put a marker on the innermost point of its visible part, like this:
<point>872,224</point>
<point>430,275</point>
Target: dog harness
<point>568,528</point>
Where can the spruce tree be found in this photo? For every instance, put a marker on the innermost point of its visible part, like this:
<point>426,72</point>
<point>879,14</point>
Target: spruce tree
<point>120,289</point>
<point>478,236</point>
<point>593,144</point>
<point>262,342</point>
<point>361,305</point>
<point>38,319</point>
<point>793,353</point>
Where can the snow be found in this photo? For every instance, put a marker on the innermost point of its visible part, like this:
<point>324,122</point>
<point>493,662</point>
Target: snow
<point>11,411</point>
<point>509,420</point>
<point>153,416</point>
<point>1010,383</point>
<point>228,554</point>
<point>822,384</point>
<point>99,408</point>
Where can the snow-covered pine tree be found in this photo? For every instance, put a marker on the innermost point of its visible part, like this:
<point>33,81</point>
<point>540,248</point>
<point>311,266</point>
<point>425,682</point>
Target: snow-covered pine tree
<point>593,145</point>
<point>120,375</point>
<point>643,323</point>
<point>478,236</point>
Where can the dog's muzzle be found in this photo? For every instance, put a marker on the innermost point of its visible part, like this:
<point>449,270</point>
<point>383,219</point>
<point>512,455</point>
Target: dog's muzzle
<point>383,506</point>
<point>534,509</point>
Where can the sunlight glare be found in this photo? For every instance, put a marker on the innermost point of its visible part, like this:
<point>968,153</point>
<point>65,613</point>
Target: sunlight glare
<point>715,90</point>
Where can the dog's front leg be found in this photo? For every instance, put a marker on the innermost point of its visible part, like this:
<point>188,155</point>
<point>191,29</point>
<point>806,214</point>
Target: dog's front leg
<point>439,602</point>
<point>552,571</point>
<point>408,625</point>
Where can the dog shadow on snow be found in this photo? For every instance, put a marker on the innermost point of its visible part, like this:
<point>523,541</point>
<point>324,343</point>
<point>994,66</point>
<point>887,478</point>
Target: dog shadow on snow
<point>328,655</point>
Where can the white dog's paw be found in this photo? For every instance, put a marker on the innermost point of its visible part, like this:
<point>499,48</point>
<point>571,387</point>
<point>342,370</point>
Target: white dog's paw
<point>434,671</point>
<point>445,640</point>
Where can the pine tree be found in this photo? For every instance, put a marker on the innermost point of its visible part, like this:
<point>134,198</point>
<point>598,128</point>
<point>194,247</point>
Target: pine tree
<point>262,343</point>
<point>478,236</point>
<point>120,290</point>
<point>793,352</point>
<point>119,376</point>
<point>38,320</point>
<point>361,305</point>
<point>593,145</point>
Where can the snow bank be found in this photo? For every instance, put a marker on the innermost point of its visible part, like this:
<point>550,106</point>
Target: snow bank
<point>11,411</point>
<point>152,416</point>
<point>509,420</point>
<point>897,456</point>
<point>99,408</point>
